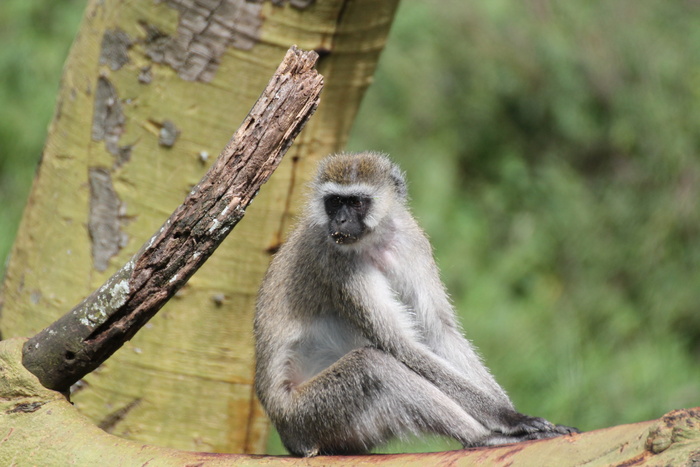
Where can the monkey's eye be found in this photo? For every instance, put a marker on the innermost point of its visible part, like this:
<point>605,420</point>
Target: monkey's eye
<point>354,201</point>
<point>333,203</point>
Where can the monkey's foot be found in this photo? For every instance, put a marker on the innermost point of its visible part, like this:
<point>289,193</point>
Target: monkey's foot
<point>525,427</point>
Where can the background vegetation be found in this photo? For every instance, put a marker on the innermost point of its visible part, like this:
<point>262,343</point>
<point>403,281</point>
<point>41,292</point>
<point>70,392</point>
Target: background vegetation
<point>553,154</point>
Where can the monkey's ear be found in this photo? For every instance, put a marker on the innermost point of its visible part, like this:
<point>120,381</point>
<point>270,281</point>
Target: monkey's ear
<point>399,180</point>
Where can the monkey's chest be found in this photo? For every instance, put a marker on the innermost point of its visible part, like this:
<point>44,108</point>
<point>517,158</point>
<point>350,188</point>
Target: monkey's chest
<point>326,340</point>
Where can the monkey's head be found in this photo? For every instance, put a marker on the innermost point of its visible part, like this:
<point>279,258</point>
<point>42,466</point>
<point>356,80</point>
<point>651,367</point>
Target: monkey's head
<point>354,192</point>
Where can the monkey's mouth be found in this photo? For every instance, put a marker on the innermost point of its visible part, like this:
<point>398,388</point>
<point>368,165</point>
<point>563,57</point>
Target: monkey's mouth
<point>342,238</point>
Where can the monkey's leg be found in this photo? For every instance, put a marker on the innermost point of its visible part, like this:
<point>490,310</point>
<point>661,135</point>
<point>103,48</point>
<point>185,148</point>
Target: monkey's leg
<point>515,427</point>
<point>364,399</point>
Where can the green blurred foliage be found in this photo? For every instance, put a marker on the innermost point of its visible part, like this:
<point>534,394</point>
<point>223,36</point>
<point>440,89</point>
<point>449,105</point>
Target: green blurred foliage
<point>552,152</point>
<point>35,37</point>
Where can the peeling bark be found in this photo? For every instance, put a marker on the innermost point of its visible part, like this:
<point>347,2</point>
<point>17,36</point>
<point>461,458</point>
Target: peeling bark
<point>104,223</point>
<point>108,120</point>
<point>82,339</point>
<point>145,75</point>
<point>168,134</point>
<point>205,30</point>
<point>114,50</point>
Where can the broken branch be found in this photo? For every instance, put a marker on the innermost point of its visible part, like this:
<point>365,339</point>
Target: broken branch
<point>86,336</point>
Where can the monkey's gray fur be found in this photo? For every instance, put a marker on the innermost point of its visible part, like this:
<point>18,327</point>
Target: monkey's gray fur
<point>356,338</point>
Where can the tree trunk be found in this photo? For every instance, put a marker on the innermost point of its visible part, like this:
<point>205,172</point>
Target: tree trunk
<point>150,94</point>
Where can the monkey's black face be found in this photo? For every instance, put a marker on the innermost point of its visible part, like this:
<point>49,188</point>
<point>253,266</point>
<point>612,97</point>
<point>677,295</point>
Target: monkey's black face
<point>346,217</point>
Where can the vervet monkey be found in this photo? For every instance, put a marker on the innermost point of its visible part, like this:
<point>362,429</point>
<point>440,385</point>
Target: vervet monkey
<point>356,338</point>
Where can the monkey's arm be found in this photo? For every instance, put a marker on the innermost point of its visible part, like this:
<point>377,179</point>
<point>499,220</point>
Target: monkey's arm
<point>387,324</point>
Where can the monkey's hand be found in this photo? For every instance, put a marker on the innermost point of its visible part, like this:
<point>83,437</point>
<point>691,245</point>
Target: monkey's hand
<point>527,427</point>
